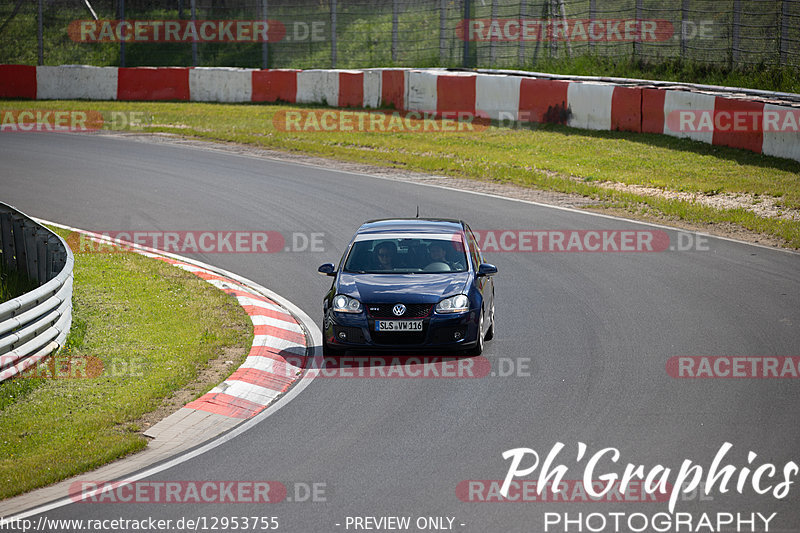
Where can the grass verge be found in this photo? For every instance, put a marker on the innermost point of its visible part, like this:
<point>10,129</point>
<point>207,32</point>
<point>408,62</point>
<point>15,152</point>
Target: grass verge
<point>142,331</point>
<point>13,283</point>
<point>549,157</point>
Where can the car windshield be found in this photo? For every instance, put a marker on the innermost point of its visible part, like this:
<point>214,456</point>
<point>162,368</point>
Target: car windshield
<point>434,254</point>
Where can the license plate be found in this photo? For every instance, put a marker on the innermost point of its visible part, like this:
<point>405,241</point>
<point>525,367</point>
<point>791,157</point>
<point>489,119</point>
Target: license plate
<point>398,325</point>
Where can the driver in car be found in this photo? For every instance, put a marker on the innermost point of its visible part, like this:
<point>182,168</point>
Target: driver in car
<point>386,253</point>
<point>438,254</point>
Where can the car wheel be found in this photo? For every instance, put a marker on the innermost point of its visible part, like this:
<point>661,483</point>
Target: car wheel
<point>478,348</point>
<point>490,331</point>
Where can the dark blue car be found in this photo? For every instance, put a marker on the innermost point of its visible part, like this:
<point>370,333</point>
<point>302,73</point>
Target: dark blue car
<point>410,284</point>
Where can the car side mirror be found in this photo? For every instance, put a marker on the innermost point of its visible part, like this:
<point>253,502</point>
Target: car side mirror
<point>328,269</point>
<point>486,270</point>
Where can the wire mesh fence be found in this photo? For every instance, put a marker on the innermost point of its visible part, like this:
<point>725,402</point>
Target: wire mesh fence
<point>380,33</point>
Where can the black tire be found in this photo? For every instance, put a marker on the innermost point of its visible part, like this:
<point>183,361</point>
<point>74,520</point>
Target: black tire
<point>490,332</point>
<point>478,348</point>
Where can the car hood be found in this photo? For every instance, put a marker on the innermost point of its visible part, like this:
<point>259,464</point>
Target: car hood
<point>406,288</point>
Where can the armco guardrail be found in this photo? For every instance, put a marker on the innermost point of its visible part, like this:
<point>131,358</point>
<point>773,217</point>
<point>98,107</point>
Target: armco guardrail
<point>35,324</point>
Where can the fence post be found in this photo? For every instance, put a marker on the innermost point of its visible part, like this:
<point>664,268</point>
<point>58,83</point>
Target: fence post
<point>194,42</point>
<point>737,20</point>
<point>784,32</point>
<point>637,45</point>
<point>265,44</point>
<point>492,42</point>
<point>466,60</point>
<point>122,40</point>
<point>684,21</point>
<point>395,21</point>
<point>592,16</point>
<point>442,30</point>
<point>521,45</point>
<point>552,18</point>
<point>333,33</point>
<point>40,35</point>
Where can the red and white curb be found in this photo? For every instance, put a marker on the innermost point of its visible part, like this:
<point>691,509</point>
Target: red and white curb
<point>265,383</point>
<point>266,372</point>
<point>279,354</point>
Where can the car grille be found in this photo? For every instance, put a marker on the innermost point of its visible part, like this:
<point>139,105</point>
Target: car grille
<point>412,310</point>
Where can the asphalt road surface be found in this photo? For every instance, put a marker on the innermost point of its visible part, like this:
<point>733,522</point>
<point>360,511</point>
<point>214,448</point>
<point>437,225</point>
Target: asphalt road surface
<point>579,356</point>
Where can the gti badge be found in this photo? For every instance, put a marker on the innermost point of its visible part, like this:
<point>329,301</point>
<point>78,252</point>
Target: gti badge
<point>398,309</point>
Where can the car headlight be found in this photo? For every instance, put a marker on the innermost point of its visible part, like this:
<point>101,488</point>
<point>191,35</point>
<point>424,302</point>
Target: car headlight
<point>345,304</point>
<point>455,304</point>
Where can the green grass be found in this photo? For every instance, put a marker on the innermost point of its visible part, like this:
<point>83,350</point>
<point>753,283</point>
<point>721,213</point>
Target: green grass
<point>152,327</point>
<point>13,283</point>
<point>549,157</point>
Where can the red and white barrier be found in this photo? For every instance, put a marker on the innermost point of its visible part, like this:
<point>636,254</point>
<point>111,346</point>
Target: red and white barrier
<point>421,92</point>
<point>220,84</point>
<point>711,118</point>
<point>676,104</point>
<point>150,83</point>
<point>318,87</point>
<point>497,96</point>
<point>590,105</point>
<point>77,82</point>
<point>780,143</point>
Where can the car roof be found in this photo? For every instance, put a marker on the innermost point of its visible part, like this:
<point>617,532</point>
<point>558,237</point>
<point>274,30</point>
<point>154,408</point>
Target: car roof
<point>415,225</point>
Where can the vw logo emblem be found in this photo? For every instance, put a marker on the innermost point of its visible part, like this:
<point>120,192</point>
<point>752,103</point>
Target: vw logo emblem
<point>398,309</point>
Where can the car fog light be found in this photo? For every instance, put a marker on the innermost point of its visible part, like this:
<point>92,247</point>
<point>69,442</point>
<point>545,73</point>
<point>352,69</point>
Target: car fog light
<point>342,335</point>
<point>457,335</point>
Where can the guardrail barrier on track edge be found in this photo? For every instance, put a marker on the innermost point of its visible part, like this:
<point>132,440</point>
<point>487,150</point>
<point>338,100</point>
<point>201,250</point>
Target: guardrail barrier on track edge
<point>36,324</point>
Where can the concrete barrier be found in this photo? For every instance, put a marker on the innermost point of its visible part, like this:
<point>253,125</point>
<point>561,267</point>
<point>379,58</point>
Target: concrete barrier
<point>221,84</point>
<point>588,104</point>
<point>318,87</point>
<point>76,82</point>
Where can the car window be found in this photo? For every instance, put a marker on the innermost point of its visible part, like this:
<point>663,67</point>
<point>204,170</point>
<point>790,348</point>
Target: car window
<point>435,254</point>
<point>474,250</point>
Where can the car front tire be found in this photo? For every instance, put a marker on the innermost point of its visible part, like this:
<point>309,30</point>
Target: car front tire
<point>478,348</point>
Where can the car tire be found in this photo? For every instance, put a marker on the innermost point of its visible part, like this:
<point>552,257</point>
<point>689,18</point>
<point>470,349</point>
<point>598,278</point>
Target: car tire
<point>478,348</point>
<point>490,332</point>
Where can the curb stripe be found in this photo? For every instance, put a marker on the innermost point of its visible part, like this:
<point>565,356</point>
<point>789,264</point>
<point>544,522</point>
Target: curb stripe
<point>226,405</point>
